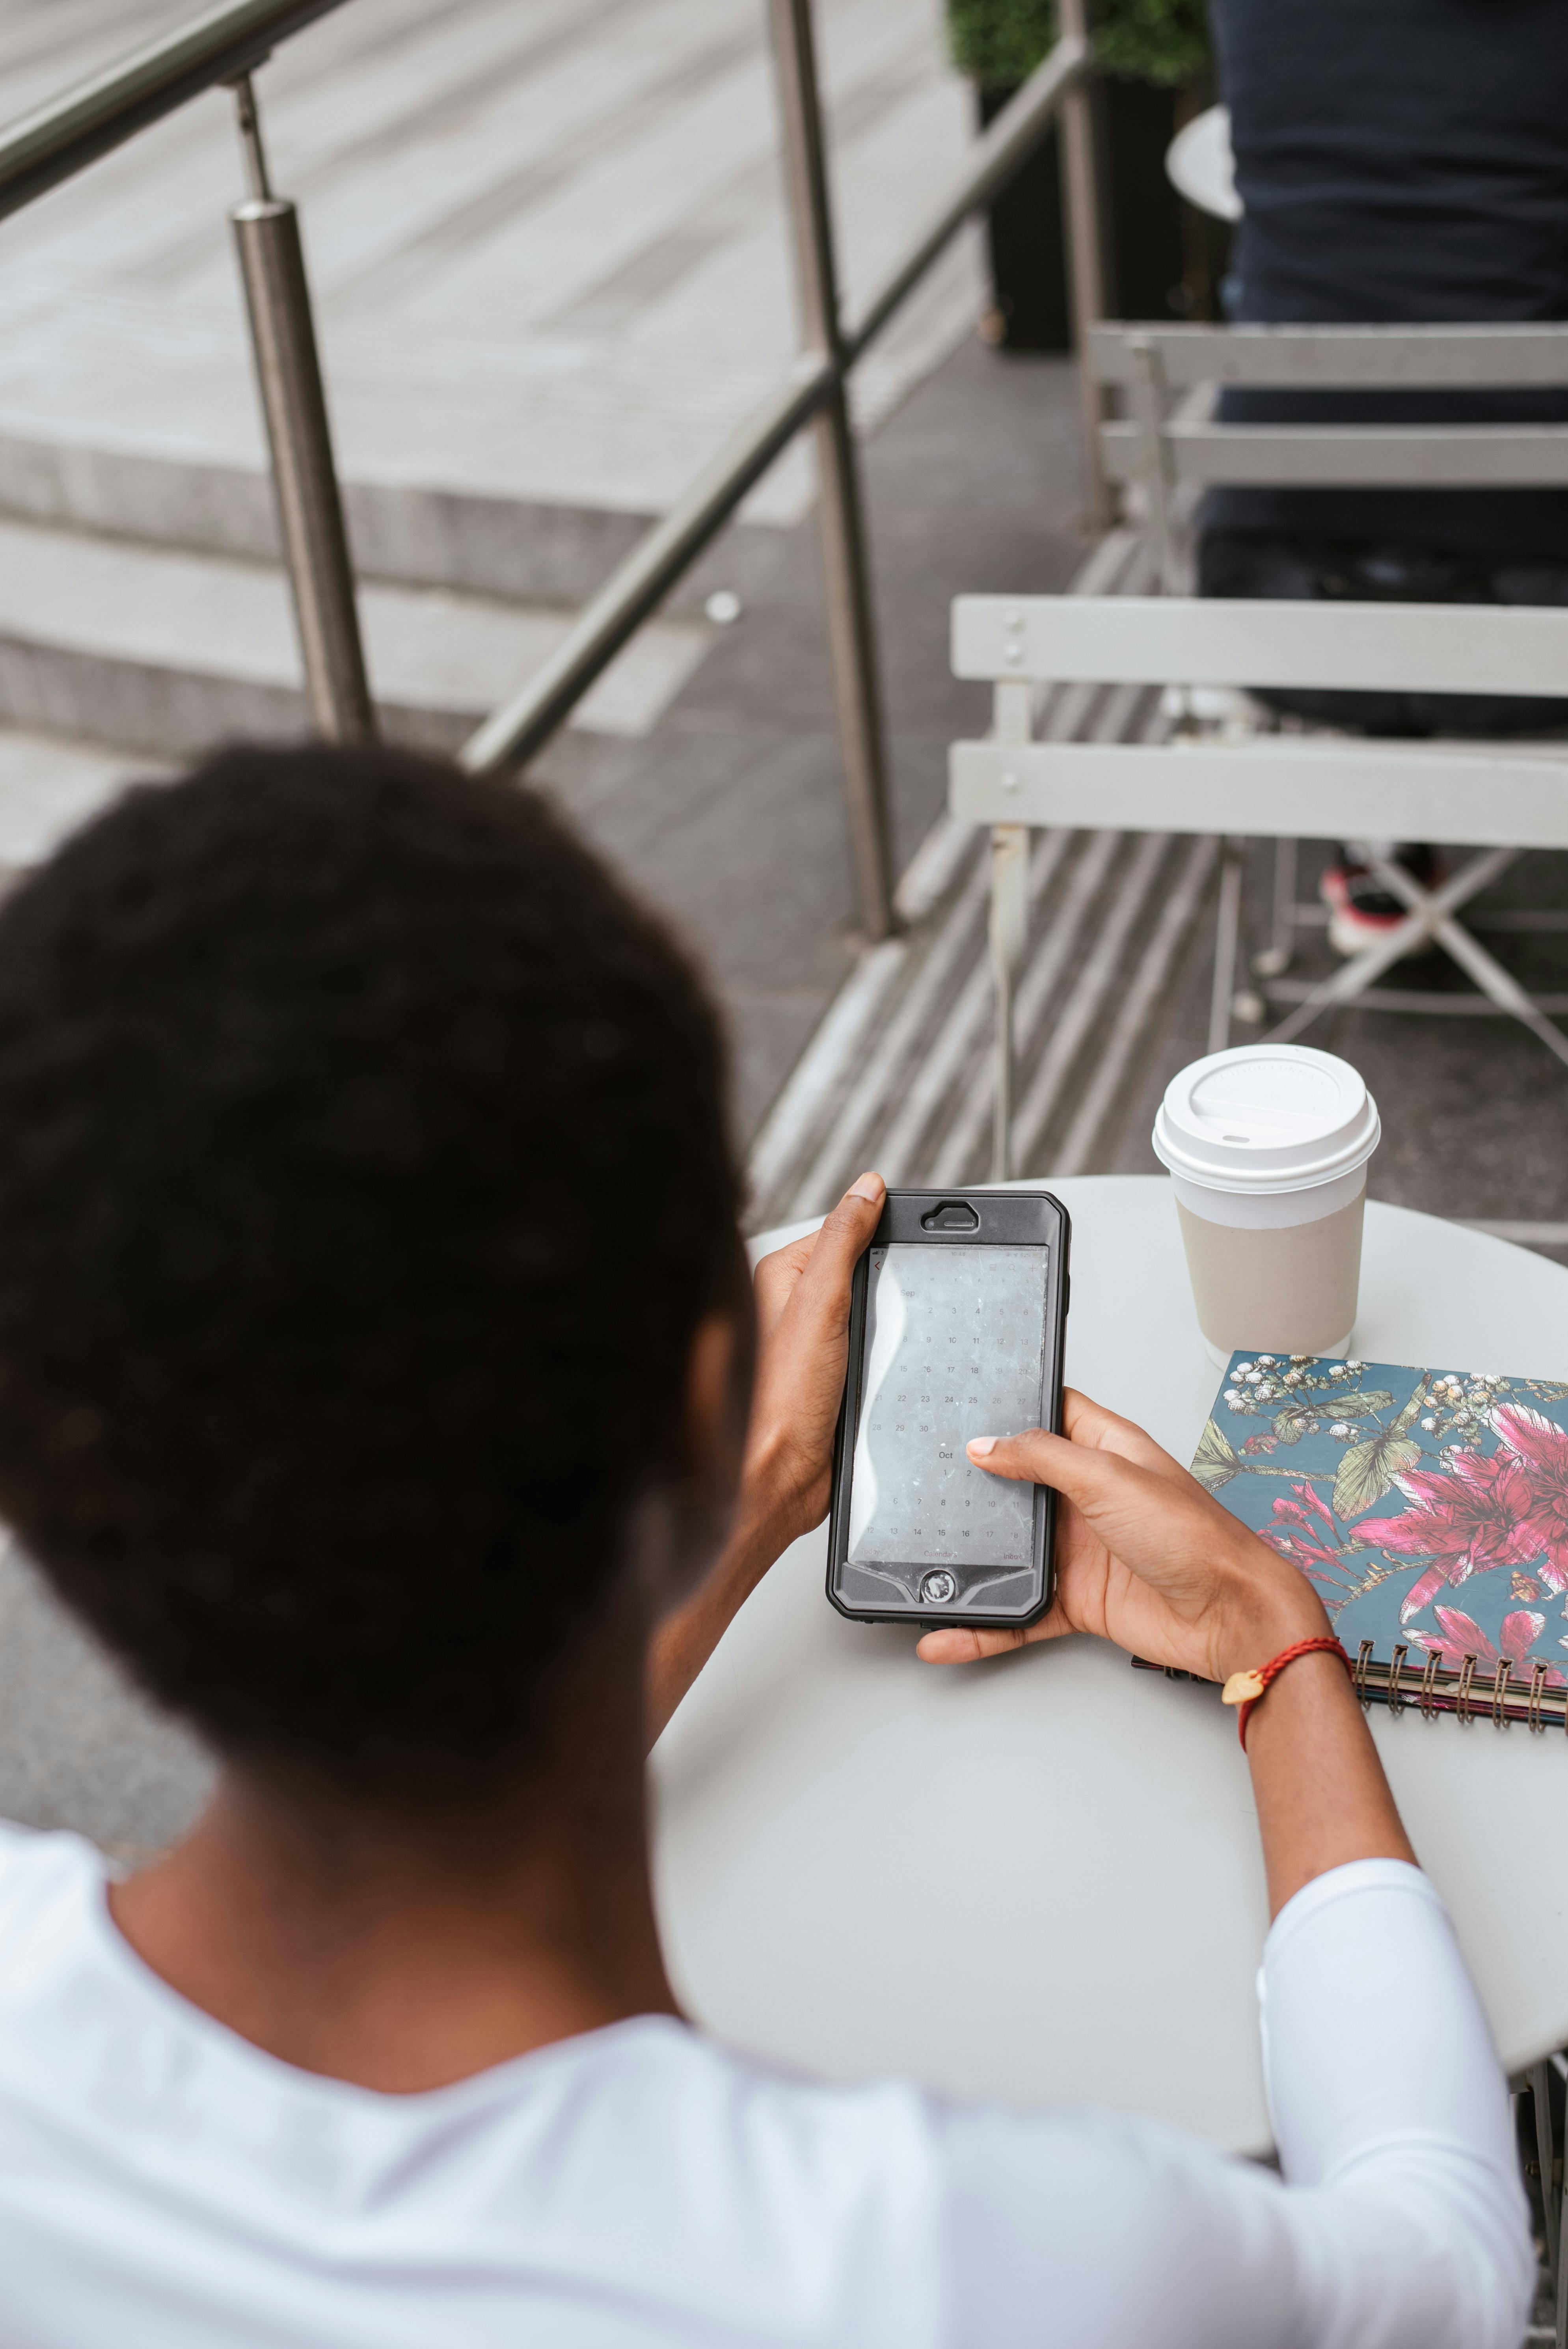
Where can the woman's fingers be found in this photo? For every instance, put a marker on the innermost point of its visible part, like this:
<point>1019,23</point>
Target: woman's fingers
<point>1097,1479</point>
<point>827,1255</point>
<point>957,1646</point>
<point>1038,1457</point>
<point>837,1248</point>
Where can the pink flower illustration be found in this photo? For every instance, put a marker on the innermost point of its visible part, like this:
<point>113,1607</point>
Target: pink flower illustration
<point>1541,1451</point>
<point>1460,1637</point>
<point>1297,1534</point>
<point>1473,1517</point>
<point>1311,1500</point>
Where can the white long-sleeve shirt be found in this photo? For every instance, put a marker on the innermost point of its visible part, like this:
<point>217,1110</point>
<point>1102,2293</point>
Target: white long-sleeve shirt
<point>164,2184</point>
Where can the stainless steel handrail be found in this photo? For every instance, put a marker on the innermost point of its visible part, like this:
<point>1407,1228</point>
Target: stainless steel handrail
<point>225,45</point>
<point>517,731</point>
<point>1005,143</point>
<point>61,139</point>
<point>513,733</point>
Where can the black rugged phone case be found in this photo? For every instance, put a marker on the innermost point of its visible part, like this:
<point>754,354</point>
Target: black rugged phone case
<point>1005,1219</point>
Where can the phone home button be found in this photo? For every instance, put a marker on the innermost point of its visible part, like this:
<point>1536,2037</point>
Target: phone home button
<point>937,1590</point>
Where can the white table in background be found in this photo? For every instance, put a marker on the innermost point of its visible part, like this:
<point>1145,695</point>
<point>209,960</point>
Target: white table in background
<point>1038,1880</point>
<point>1200,165</point>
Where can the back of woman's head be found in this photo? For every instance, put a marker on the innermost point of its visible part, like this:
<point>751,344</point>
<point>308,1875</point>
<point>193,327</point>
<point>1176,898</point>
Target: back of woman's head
<point>363,1178</point>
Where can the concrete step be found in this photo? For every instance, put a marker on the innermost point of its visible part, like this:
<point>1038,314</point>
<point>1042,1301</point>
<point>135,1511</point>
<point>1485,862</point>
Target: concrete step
<point>486,542</point>
<point>548,255</point>
<point>164,651</point>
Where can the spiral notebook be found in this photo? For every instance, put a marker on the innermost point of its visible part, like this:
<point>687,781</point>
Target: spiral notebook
<point>1430,1509</point>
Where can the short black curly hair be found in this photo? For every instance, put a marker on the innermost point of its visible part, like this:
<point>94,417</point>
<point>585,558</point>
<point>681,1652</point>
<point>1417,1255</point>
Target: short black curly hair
<point>364,1175</point>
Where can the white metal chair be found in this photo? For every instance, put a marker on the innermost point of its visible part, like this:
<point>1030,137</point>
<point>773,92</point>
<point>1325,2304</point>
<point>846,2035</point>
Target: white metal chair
<point>1169,447</point>
<point>1169,443</point>
<point>1496,800</point>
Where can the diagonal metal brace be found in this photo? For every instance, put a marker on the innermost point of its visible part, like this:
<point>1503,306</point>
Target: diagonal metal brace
<point>1346,984</point>
<point>1471,955</point>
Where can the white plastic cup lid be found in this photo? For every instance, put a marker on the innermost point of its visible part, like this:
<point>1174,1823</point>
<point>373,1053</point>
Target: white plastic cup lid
<point>1266,1117</point>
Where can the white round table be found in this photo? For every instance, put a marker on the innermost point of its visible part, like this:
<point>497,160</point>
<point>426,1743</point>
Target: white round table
<point>1038,1879</point>
<point>1201,166</point>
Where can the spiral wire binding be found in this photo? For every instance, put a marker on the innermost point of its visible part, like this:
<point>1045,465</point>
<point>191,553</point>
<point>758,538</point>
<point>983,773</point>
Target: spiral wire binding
<point>1537,1689</point>
<point>1395,1697</point>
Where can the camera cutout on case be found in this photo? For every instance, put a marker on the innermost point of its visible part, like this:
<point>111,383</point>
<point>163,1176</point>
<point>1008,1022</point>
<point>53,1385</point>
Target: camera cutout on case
<point>950,1216</point>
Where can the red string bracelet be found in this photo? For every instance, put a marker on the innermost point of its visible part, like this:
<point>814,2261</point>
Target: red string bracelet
<point>1244,1688</point>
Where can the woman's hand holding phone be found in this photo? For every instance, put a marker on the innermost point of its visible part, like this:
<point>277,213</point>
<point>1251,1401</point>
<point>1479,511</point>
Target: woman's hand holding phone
<point>802,1294</point>
<point>1145,1557</point>
<point>803,1306</point>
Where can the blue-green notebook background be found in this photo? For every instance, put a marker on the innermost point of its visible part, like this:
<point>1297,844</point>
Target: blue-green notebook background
<point>1429,1507</point>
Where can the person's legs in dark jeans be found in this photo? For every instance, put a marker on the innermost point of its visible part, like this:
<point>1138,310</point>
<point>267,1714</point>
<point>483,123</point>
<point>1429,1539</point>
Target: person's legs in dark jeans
<point>1236,564</point>
<point>1273,568</point>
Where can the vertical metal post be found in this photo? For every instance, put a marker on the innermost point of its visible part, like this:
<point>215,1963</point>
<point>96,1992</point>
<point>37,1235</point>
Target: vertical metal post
<point>1009,923</point>
<point>1086,260</point>
<point>1227,934</point>
<point>1280,953</point>
<point>850,627</point>
<point>310,509</point>
<point>1556,2185</point>
<point>1011,720</point>
<point>1149,399</point>
<point>1548,2158</point>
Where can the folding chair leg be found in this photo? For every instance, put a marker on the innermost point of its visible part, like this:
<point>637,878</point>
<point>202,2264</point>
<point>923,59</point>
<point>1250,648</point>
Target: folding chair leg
<point>1147,394</point>
<point>1227,931</point>
<point>1472,957</point>
<point>1348,982</point>
<point>1279,953</point>
<point>1557,2198</point>
<point>1546,2097</point>
<point>1009,920</point>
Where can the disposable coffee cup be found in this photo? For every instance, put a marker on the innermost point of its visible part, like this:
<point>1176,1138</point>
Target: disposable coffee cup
<point>1267,1147</point>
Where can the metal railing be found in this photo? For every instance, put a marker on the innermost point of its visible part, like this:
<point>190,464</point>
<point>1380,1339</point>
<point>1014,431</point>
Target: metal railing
<point>225,48</point>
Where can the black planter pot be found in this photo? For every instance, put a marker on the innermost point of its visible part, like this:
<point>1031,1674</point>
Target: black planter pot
<point>1145,263</point>
<point>1162,260</point>
<point>1023,231</point>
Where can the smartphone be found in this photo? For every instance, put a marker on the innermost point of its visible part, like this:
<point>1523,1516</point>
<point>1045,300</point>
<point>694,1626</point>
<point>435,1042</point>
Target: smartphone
<point>956,1322</point>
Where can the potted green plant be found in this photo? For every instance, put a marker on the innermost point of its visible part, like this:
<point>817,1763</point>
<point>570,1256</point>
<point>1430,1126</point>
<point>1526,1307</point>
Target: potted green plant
<point>1153,57</point>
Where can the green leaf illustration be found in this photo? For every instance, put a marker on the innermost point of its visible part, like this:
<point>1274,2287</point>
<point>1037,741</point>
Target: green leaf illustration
<point>1413,1409</point>
<point>1214,1463</point>
<point>1295,1420</point>
<point>1292,1423</point>
<point>1367,1470</point>
<point>1362,1404</point>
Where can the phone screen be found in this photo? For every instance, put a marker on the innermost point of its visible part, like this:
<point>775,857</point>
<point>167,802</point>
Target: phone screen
<point>954,1347</point>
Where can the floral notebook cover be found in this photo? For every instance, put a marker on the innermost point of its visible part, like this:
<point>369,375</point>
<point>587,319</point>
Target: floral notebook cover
<point>1429,1506</point>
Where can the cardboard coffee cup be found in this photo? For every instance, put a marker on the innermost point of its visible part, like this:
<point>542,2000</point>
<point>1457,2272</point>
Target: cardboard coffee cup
<point>1267,1147</point>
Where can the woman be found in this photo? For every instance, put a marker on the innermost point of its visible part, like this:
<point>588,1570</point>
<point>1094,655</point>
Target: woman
<point>376,1376</point>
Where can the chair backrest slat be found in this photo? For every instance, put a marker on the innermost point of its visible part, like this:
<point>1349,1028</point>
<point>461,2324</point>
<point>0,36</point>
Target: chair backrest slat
<point>1331,357</point>
<point>1270,788</point>
<point>1186,640</point>
<point>1347,456</point>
